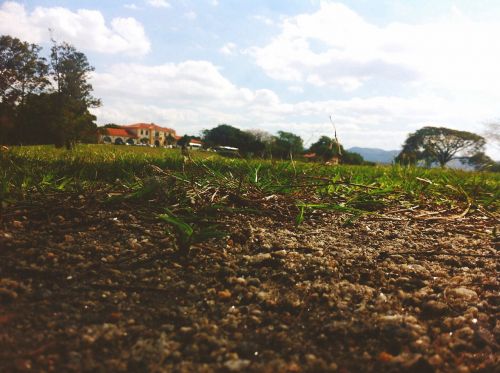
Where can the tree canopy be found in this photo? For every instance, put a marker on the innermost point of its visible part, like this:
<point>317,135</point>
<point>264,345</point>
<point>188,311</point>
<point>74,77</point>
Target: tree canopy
<point>439,145</point>
<point>226,135</point>
<point>45,102</point>
<point>287,145</point>
<point>327,147</point>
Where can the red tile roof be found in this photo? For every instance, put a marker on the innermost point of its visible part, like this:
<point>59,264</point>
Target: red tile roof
<point>310,155</point>
<point>119,132</point>
<point>194,141</point>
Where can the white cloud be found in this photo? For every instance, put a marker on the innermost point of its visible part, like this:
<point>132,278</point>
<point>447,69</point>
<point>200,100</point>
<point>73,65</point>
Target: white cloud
<point>84,28</point>
<point>131,6</point>
<point>158,3</point>
<point>194,95</point>
<point>335,46</point>
<point>214,2</point>
<point>228,49</point>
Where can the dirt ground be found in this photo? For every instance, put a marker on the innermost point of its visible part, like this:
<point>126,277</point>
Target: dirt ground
<point>90,288</point>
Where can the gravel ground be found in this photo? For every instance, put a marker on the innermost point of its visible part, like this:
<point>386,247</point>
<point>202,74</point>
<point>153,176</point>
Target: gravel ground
<point>87,287</point>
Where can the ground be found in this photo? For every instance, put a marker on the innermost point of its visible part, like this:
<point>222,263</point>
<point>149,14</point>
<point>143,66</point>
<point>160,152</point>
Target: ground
<point>86,286</point>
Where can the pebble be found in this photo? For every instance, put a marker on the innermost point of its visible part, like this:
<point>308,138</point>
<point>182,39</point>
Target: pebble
<point>434,308</point>
<point>463,293</point>
<point>236,365</point>
<point>69,238</point>
<point>259,258</point>
<point>224,294</point>
<point>17,224</point>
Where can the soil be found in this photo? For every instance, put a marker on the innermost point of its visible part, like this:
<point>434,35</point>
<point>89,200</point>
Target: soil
<point>88,287</point>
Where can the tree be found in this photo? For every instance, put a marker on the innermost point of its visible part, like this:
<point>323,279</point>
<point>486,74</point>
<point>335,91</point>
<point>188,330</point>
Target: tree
<point>22,70</point>
<point>70,71</point>
<point>264,140</point>
<point>287,145</point>
<point>184,140</point>
<point>480,161</point>
<point>22,73</point>
<point>325,148</point>
<point>226,135</point>
<point>439,145</point>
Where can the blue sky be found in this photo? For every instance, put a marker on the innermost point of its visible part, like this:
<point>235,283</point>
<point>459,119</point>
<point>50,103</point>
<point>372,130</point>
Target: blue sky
<point>383,68</point>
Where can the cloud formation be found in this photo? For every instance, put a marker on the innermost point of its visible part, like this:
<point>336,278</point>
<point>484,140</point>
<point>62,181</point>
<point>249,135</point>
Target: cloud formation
<point>337,47</point>
<point>84,28</point>
<point>194,95</point>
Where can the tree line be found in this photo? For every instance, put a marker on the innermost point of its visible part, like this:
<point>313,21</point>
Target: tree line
<point>283,145</point>
<point>45,100</point>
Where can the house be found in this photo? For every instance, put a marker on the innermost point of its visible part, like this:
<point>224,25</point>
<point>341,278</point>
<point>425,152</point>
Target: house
<point>195,144</point>
<point>139,133</point>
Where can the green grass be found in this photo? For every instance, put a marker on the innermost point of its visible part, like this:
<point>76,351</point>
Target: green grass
<point>25,171</point>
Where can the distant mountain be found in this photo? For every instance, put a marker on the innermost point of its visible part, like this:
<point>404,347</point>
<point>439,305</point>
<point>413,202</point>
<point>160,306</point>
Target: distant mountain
<point>376,155</point>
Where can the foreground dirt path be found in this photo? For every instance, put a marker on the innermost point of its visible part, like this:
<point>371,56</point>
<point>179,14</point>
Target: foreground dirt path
<point>86,287</point>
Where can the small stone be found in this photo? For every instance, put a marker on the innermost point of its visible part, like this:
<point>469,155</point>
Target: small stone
<point>69,238</point>
<point>434,308</point>
<point>17,224</point>
<point>385,356</point>
<point>224,294</point>
<point>259,258</point>
<point>262,295</point>
<point>236,365</point>
<point>435,360</point>
<point>463,293</point>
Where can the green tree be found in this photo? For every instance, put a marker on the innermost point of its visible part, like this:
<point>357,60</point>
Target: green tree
<point>22,73</point>
<point>70,71</point>
<point>184,140</point>
<point>287,145</point>
<point>439,145</point>
<point>480,161</point>
<point>326,148</point>
<point>226,135</point>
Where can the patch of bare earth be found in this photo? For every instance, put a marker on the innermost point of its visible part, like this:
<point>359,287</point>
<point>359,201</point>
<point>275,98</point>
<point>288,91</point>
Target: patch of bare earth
<point>86,287</point>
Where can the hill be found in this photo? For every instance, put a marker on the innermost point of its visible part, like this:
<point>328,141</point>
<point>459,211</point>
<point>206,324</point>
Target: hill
<point>376,155</point>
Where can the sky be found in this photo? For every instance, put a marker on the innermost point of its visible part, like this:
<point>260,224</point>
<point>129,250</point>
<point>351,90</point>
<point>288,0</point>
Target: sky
<point>381,68</point>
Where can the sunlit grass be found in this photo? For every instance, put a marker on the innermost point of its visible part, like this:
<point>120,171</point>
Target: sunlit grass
<point>25,170</point>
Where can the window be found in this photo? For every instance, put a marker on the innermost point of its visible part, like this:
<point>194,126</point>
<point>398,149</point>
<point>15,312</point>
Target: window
<point>142,132</point>
<point>157,133</point>
<point>147,132</point>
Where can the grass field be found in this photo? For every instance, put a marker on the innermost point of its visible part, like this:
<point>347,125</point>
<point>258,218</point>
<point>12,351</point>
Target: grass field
<point>44,169</point>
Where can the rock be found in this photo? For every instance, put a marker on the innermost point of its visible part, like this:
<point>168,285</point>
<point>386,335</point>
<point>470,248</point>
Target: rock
<point>434,308</point>
<point>462,293</point>
<point>17,224</point>
<point>236,365</point>
<point>253,282</point>
<point>435,360</point>
<point>68,238</point>
<point>259,258</point>
<point>224,294</point>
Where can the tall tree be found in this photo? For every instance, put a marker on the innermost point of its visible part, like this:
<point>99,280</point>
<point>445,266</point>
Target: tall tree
<point>22,73</point>
<point>439,145</point>
<point>22,70</point>
<point>71,71</point>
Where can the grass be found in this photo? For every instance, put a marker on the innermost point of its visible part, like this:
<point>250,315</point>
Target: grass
<point>25,171</point>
